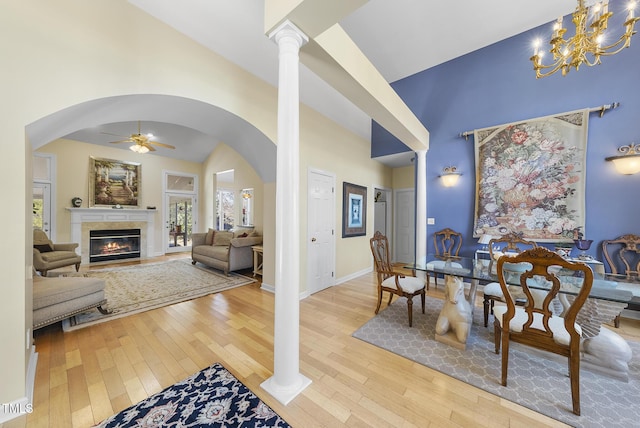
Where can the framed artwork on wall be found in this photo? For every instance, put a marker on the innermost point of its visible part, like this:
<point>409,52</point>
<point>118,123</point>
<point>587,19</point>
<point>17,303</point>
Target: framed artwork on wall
<point>531,178</point>
<point>114,183</point>
<point>354,210</point>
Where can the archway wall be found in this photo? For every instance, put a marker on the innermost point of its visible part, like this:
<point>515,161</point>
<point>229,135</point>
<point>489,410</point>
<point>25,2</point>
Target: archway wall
<point>65,53</point>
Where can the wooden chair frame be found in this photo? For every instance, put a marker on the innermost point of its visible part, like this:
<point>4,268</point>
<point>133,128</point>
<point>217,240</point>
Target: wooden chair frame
<point>447,243</point>
<point>625,257</point>
<point>384,269</point>
<point>542,260</point>
<point>510,242</point>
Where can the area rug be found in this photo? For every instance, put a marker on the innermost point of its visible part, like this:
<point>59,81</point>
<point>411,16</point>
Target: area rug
<point>535,382</point>
<point>212,397</point>
<point>139,288</point>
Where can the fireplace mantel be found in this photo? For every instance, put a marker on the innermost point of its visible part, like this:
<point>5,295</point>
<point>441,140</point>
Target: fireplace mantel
<point>80,216</point>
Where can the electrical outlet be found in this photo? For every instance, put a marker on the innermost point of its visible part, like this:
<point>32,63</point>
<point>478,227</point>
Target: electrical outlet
<point>431,221</point>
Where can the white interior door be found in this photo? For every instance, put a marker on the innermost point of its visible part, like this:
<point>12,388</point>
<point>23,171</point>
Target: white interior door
<point>405,219</point>
<point>321,230</point>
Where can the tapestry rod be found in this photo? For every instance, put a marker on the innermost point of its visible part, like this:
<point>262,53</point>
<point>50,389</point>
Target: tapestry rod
<point>600,109</point>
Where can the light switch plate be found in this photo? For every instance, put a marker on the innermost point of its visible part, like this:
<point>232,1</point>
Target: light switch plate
<point>431,220</point>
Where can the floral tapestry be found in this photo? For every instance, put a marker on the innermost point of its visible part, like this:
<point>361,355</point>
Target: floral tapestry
<point>531,178</point>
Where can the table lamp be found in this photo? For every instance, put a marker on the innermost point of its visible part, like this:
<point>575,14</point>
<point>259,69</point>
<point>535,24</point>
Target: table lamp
<point>484,241</point>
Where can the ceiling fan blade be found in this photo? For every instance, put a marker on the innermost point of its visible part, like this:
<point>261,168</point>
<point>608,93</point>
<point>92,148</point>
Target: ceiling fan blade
<point>151,149</point>
<point>168,146</point>
<point>128,140</point>
<point>115,135</point>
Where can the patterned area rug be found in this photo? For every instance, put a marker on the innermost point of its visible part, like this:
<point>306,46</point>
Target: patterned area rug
<point>210,398</point>
<point>534,382</point>
<point>143,287</point>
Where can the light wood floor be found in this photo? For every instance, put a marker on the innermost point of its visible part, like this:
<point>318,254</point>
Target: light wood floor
<point>89,374</point>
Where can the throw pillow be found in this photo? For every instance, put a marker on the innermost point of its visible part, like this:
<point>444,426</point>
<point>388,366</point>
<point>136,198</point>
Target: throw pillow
<point>209,238</point>
<point>222,238</point>
<point>43,248</point>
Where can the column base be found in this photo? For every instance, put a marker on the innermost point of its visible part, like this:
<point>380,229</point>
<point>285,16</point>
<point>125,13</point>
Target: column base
<point>285,394</point>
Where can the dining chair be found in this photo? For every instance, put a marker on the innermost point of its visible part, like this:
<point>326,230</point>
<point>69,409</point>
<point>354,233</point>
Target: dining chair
<point>535,324</point>
<point>395,283</point>
<point>623,257</point>
<point>447,243</point>
<point>511,243</point>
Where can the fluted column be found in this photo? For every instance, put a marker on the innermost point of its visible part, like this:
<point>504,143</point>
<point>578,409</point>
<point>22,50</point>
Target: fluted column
<point>287,382</point>
<point>421,206</point>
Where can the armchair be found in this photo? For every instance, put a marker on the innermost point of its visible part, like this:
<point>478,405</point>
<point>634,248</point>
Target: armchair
<point>48,256</point>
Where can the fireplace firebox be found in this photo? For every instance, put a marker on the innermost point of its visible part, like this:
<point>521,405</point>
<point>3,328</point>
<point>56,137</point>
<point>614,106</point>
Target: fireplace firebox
<point>113,244</point>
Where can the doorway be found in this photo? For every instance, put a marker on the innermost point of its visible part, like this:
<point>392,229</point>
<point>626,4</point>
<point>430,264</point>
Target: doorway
<point>180,211</point>
<point>405,227</point>
<point>321,230</point>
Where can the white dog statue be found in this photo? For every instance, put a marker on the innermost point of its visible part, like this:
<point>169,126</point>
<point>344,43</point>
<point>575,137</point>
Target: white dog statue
<point>456,312</point>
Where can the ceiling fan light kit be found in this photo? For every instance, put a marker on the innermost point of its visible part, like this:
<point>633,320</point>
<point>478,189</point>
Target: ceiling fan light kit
<point>141,143</point>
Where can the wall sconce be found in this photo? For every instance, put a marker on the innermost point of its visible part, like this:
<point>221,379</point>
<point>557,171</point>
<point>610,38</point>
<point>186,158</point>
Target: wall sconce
<point>450,176</point>
<point>629,162</point>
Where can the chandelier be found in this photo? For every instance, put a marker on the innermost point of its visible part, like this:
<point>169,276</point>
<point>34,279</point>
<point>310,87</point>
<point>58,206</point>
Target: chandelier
<point>589,42</point>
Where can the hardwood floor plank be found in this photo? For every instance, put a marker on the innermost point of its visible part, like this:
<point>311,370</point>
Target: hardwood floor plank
<point>86,375</point>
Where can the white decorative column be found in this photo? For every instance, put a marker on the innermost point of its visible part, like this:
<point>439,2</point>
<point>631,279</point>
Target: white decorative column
<point>287,381</point>
<point>421,206</point>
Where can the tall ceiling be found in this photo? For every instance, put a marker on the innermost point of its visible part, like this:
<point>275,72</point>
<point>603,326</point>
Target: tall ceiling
<point>400,37</point>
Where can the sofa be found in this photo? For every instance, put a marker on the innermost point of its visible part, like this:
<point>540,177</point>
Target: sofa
<point>58,298</point>
<point>227,251</point>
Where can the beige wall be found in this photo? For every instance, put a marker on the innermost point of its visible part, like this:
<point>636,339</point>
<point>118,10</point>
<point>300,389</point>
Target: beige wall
<point>72,179</point>
<point>224,158</point>
<point>57,55</point>
<point>403,178</point>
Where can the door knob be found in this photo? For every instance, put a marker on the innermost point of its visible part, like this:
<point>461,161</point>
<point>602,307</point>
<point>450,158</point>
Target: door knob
<point>313,239</point>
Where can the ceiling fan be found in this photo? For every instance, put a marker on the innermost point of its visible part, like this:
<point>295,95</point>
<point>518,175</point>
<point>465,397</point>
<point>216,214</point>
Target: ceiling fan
<point>142,143</point>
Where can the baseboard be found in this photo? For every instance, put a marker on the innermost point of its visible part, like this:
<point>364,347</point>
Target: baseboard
<point>353,275</point>
<point>272,289</point>
<point>22,405</point>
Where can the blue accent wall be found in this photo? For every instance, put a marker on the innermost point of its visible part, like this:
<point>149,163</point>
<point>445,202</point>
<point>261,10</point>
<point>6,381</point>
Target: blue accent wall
<point>497,85</point>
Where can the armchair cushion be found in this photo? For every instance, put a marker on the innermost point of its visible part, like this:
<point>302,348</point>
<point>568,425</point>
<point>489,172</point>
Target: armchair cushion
<point>43,248</point>
<point>222,238</point>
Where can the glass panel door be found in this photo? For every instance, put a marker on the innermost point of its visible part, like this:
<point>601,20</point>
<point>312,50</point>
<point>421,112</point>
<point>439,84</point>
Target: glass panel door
<point>42,207</point>
<point>179,223</point>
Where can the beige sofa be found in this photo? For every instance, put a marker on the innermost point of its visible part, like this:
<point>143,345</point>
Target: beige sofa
<point>55,299</point>
<point>224,250</point>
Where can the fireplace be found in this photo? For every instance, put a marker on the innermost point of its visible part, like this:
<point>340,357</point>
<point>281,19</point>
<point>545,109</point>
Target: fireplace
<point>114,244</point>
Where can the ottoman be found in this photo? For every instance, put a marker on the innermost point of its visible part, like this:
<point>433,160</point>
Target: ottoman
<point>55,299</point>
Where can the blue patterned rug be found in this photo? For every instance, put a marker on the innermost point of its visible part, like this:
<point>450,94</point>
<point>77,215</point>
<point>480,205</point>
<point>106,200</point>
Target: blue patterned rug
<point>212,397</point>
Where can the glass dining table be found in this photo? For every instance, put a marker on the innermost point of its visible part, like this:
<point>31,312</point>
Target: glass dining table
<point>612,292</point>
<point>604,351</point>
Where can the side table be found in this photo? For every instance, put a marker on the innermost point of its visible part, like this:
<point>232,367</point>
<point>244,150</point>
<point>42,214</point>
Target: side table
<point>257,259</point>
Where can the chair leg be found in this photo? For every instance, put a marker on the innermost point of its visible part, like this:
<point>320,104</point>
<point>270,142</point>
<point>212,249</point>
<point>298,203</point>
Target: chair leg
<point>574,376</point>
<point>410,308</point>
<point>485,303</point>
<point>77,267</point>
<point>379,300</point>
<point>423,298</point>
<point>390,299</point>
<point>428,280</point>
<point>497,335</point>
<point>616,321</point>
<point>505,357</point>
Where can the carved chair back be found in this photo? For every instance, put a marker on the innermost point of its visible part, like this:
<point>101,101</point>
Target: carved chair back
<point>447,242</point>
<point>623,254</point>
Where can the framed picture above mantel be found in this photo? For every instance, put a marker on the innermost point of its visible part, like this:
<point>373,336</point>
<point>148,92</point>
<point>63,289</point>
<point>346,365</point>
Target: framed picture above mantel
<point>354,210</point>
<point>114,183</point>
